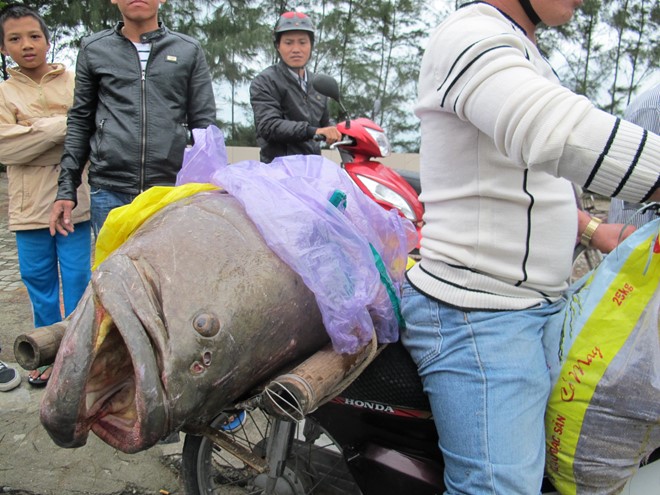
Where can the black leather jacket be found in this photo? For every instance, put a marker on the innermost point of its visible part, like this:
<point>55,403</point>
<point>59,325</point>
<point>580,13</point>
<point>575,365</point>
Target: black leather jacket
<point>285,116</point>
<point>132,129</point>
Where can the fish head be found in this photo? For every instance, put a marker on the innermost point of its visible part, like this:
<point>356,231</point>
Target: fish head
<point>191,313</point>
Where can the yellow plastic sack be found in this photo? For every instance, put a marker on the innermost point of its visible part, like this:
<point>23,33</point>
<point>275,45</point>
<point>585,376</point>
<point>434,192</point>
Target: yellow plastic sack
<point>125,220</point>
<point>603,350</point>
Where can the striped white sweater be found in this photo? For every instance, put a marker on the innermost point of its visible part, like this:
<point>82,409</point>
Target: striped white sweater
<point>501,139</point>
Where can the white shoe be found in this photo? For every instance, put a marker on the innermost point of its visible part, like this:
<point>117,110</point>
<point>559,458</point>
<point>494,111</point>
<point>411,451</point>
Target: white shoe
<point>9,378</point>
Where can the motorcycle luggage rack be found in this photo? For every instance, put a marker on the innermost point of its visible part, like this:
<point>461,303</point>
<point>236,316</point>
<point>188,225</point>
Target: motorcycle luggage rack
<point>226,442</point>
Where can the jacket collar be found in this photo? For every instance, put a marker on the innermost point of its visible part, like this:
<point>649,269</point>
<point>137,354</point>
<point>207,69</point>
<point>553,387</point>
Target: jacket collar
<point>56,69</point>
<point>285,69</point>
<point>145,37</point>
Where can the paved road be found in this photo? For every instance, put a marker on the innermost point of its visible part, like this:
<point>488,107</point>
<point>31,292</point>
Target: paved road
<point>30,463</point>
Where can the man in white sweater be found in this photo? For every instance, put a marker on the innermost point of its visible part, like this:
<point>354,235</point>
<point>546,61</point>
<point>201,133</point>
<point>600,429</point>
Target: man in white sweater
<point>501,141</point>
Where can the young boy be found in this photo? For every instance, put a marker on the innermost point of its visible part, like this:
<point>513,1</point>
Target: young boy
<point>140,89</point>
<point>33,107</point>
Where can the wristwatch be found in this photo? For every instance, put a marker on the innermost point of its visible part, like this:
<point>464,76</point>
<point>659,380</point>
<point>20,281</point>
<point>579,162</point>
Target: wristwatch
<point>588,232</point>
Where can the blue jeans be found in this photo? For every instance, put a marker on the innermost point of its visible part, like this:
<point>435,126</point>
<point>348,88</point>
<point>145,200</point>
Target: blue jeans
<point>488,383</point>
<point>104,200</point>
<point>41,256</point>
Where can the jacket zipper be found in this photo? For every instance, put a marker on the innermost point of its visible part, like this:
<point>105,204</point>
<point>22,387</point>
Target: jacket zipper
<point>143,117</point>
<point>143,144</point>
<point>99,138</point>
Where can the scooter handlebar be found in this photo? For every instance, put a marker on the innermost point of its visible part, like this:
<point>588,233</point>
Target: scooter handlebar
<point>344,142</point>
<point>347,141</point>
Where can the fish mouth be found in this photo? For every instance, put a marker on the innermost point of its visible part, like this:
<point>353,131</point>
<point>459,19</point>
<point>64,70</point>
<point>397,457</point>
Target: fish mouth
<point>112,402</point>
<point>106,376</point>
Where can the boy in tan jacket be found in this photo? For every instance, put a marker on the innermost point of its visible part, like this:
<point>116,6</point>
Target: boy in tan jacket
<point>33,105</point>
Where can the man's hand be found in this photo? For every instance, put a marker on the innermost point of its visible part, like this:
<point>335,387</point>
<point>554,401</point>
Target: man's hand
<point>607,236</point>
<point>60,217</point>
<point>332,135</point>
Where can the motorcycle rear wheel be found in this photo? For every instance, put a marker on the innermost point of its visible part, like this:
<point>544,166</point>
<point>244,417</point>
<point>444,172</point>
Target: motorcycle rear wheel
<point>315,463</point>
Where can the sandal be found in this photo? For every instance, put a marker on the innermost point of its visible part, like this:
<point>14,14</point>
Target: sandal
<point>39,380</point>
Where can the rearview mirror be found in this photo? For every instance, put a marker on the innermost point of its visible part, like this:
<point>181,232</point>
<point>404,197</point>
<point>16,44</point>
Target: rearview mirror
<point>326,85</point>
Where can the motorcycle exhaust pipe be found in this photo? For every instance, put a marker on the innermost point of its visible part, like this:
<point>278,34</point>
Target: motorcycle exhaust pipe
<point>315,381</point>
<point>39,347</point>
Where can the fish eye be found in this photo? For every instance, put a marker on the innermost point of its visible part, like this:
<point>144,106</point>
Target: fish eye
<point>206,324</point>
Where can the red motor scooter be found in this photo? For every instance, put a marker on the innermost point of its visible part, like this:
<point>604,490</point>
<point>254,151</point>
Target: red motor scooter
<point>363,141</point>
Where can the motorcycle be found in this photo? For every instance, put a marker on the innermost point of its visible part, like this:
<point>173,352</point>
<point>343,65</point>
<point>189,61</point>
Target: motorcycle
<point>377,436</point>
<point>362,141</point>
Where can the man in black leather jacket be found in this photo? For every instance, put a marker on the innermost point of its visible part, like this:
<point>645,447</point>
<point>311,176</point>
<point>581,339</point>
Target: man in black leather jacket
<point>288,112</point>
<point>140,90</point>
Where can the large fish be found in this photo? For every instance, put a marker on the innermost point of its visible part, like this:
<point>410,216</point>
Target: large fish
<point>192,311</point>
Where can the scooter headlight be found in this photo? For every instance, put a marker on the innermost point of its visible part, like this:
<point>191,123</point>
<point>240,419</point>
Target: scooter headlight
<point>384,193</point>
<point>381,140</point>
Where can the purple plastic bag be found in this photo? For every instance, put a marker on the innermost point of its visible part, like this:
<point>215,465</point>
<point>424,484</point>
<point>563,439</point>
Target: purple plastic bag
<point>206,156</point>
<point>288,200</point>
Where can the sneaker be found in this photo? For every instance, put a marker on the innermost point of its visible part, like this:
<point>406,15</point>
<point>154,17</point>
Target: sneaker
<point>9,378</point>
<point>234,422</point>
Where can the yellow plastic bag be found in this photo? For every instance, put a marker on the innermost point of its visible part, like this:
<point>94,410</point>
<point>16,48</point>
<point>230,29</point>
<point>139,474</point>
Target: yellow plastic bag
<point>604,356</point>
<point>125,220</point>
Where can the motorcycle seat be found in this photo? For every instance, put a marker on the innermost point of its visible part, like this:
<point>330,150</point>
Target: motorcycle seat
<point>390,379</point>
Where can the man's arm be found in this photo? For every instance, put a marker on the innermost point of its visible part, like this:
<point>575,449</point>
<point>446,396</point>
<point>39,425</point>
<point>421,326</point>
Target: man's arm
<point>201,101</point>
<point>21,144</point>
<point>269,115</point>
<point>602,236</point>
<point>537,123</point>
<point>81,126</point>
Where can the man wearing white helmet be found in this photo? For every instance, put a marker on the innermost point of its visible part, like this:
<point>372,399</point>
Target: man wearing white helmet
<point>288,112</point>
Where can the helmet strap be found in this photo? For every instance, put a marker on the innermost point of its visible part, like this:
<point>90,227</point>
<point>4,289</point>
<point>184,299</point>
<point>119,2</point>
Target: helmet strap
<point>531,13</point>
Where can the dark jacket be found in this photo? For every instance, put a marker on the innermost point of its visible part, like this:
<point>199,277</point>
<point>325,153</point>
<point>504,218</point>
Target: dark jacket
<point>134,130</point>
<point>285,116</point>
